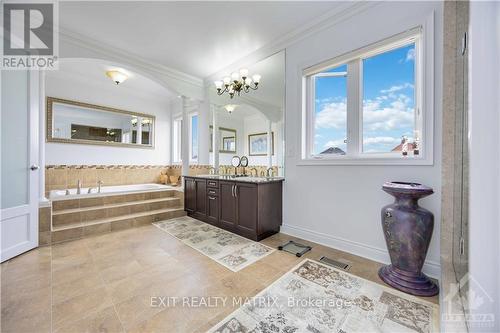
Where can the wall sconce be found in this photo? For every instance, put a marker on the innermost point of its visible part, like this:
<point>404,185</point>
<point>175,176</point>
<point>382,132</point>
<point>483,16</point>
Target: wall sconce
<point>117,76</point>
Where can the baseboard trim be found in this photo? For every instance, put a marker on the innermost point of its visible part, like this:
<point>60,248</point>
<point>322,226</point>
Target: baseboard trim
<point>431,268</point>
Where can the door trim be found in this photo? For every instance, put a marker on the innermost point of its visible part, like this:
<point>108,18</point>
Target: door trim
<point>31,208</point>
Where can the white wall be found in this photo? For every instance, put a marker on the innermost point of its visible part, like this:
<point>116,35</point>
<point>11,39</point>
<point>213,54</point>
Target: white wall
<point>484,121</point>
<point>66,85</point>
<point>340,205</point>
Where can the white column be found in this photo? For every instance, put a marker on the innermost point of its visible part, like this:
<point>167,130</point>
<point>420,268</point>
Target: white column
<point>42,135</point>
<point>203,133</point>
<point>278,137</point>
<point>185,137</point>
<point>216,138</point>
<point>139,130</point>
<point>269,144</point>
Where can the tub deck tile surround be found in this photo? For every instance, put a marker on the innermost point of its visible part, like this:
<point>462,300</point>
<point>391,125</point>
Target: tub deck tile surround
<point>83,217</point>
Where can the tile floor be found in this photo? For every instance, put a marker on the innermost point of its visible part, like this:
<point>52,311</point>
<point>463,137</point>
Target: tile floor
<point>105,283</point>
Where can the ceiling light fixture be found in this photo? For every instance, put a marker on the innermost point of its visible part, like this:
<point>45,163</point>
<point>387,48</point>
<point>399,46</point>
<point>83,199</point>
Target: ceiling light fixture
<point>117,76</point>
<point>238,82</point>
<point>230,108</point>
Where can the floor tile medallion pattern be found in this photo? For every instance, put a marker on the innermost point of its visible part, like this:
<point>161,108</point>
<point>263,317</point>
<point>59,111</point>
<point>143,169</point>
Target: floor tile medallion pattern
<point>228,249</point>
<point>316,298</point>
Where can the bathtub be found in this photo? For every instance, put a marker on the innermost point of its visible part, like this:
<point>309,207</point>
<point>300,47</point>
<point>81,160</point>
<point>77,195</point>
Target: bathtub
<point>107,190</point>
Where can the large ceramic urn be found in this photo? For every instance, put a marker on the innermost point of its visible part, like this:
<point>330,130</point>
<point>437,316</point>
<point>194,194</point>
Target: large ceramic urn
<point>408,231</point>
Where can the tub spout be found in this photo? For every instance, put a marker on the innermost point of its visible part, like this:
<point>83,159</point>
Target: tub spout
<point>99,184</point>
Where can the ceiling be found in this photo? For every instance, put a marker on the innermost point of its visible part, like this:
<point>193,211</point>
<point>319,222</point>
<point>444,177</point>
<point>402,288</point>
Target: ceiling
<point>198,38</point>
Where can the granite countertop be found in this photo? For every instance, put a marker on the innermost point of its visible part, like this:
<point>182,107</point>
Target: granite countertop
<point>244,179</point>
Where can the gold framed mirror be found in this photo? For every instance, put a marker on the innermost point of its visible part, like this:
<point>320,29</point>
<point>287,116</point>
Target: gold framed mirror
<point>76,122</point>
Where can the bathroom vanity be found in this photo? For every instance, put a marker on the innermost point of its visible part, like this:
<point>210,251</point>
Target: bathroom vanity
<point>248,206</point>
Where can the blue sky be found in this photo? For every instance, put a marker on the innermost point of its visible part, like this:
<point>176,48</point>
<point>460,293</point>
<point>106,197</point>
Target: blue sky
<point>388,103</point>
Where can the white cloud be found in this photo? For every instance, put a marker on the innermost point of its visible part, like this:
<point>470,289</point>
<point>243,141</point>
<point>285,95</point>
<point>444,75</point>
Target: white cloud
<point>410,55</point>
<point>397,88</point>
<point>385,119</point>
<point>381,140</point>
<point>385,114</point>
<point>333,143</point>
<point>332,115</point>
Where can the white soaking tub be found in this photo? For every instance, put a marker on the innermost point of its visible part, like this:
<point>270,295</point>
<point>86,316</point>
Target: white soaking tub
<point>107,190</point>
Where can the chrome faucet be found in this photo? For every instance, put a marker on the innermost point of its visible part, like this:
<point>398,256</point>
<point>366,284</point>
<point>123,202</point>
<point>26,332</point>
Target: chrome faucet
<point>252,170</point>
<point>211,171</point>
<point>90,190</point>
<point>79,187</point>
<point>99,184</point>
<point>270,172</point>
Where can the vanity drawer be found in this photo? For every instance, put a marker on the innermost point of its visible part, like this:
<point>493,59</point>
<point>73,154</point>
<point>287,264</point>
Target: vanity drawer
<point>212,183</point>
<point>212,191</point>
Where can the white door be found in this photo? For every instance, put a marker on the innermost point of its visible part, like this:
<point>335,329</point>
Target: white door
<point>19,158</point>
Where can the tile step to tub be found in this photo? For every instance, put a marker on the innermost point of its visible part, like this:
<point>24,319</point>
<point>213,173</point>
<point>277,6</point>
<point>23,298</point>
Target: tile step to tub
<point>115,205</point>
<point>117,218</point>
<point>99,200</point>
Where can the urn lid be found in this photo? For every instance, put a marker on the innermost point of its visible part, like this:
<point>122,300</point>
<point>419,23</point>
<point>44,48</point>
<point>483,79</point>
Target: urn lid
<point>413,189</point>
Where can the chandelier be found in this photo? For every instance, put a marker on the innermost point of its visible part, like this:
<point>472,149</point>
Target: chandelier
<point>237,83</point>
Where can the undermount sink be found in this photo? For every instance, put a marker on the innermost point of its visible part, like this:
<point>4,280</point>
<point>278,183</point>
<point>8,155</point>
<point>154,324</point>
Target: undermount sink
<point>242,178</point>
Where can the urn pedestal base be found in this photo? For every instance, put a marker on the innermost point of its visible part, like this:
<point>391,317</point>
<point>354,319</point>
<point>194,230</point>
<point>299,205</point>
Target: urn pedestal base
<point>417,284</point>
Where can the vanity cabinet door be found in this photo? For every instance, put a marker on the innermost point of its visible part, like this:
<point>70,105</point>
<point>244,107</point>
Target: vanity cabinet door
<point>189,195</point>
<point>227,205</point>
<point>212,209</point>
<point>246,198</point>
<point>201,198</point>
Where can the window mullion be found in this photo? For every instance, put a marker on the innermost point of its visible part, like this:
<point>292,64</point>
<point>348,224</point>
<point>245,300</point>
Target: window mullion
<point>311,115</point>
<point>353,107</point>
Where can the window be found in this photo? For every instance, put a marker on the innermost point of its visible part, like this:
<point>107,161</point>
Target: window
<point>389,100</point>
<point>193,147</point>
<point>366,104</point>
<point>330,111</point>
<point>177,137</point>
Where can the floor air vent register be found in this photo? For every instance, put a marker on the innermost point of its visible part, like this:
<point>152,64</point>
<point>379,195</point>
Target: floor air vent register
<point>335,263</point>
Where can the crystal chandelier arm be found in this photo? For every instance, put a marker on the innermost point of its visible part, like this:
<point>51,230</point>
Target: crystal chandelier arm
<point>221,91</point>
<point>255,87</point>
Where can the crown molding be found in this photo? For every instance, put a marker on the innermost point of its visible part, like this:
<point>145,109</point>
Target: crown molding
<point>322,22</point>
<point>88,43</point>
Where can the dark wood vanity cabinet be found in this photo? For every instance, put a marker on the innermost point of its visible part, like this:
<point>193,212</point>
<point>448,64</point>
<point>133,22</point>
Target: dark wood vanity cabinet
<point>227,217</point>
<point>201,198</point>
<point>252,210</point>
<point>189,195</point>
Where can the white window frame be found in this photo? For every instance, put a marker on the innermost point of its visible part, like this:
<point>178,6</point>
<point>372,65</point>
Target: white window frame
<point>424,88</point>
<point>177,140</point>
<point>191,115</point>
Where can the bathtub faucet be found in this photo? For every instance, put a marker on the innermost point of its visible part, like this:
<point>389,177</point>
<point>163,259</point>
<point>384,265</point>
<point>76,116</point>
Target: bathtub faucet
<point>99,183</point>
<point>79,187</point>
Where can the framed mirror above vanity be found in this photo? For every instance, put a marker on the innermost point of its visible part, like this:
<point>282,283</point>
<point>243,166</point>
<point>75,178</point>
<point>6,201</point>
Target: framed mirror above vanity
<point>256,116</point>
<point>76,122</point>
